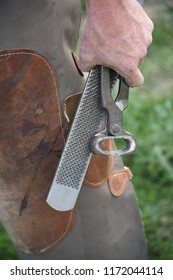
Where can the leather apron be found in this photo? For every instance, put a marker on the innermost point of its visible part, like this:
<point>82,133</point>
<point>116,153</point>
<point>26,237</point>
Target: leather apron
<point>38,67</point>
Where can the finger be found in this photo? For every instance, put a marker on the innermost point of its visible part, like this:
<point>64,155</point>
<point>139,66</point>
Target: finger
<point>85,67</point>
<point>135,80</point>
<point>86,61</point>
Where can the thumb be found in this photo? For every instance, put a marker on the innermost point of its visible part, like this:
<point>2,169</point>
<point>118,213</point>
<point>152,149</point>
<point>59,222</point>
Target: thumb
<point>85,65</point>
<point>135,80</point>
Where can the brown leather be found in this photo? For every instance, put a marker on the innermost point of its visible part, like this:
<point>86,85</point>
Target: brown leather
<point>70,105</point>
<point>76,60</point>
<point>101,167</point>
<point>118,181</point>
<point>31,142</point>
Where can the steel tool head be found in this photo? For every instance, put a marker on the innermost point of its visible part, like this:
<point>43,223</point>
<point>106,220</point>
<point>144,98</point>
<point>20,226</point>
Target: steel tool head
<point>114,114</point>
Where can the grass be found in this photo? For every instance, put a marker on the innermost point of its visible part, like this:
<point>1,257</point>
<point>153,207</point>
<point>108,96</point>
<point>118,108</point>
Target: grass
<point>151,122</point>
<point>149,117</point>
<point>7,249</point>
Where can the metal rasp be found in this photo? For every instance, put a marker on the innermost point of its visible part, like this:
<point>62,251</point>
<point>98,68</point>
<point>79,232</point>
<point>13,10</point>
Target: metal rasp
<point>76,155</point>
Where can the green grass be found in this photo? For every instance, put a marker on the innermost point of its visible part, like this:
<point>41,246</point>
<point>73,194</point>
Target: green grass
<point>150,118</point>
<point>7,249</point>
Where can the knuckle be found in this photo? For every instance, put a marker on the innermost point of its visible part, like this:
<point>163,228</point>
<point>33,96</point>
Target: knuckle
<point>151,25</point>
<point>150,39</point>
<point>143,52</point>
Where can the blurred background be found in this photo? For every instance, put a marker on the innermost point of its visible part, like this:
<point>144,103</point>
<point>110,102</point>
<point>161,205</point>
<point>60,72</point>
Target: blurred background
<point>150,118</point>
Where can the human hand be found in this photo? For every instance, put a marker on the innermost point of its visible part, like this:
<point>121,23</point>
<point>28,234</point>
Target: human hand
<point>116,34</point>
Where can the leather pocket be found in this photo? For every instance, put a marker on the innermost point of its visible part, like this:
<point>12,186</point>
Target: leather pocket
<point>32,139</point>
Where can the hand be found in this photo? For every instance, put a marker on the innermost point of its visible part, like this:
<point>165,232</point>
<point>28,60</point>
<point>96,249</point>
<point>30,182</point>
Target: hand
<point>116,34</point>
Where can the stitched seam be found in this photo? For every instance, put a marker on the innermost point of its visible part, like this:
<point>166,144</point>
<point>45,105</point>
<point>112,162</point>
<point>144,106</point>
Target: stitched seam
<point>104,180</point>
<point>71,95</point>
<point>65,104</point>
<point>95,184</point>
<point>37,55</point>
<point>41,57</point>
<point>62,236</point>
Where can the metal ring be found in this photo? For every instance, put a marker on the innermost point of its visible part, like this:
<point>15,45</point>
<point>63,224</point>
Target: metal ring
<point>99,138</point>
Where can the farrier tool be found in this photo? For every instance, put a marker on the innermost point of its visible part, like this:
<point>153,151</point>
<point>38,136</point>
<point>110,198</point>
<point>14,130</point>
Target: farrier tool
<point>114,115</point>
<point>85,137</point>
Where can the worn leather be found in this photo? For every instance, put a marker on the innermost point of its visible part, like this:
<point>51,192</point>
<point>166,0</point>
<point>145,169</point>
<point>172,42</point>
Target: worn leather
<point>31,142</point>
<point>100,168</point>
<point>119,180</point>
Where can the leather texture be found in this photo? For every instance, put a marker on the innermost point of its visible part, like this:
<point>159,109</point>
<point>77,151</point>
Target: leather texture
<point>119,180</point>
<point>31,141</point>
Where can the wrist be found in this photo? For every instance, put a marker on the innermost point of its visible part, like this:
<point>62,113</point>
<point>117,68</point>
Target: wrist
<point>95,5</point>
<point>103,11</point>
